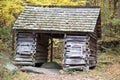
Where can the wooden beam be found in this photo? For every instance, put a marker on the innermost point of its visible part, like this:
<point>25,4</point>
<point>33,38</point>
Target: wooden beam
<point>51,55</point>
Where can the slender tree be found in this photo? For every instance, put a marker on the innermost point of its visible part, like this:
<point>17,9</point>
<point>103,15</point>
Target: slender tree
<point>115,8</point>
<point>119,9</point>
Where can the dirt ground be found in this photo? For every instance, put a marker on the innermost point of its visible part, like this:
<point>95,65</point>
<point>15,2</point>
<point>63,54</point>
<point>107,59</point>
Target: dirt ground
<point>108,68</point>
<point>111,72</point>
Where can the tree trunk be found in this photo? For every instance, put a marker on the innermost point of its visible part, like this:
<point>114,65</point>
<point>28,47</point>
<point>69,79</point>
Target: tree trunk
<point>95,2</point>
<point>88,3</point>
<point>110,5</point>
<point>119,9</point>
<point>115,8</point>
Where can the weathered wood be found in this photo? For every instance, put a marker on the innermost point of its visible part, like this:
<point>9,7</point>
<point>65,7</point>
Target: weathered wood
<point>24,48</point>
<point>75,50</point>
<point>24,63</point>
<point>40,61</point>
<point>24,35</point>
<point>22,56</point>
<point>80,51</point>
<point>41,54</point>
<point>73,67</point>
<point>24,45</point>
<point>31,47</point>
<point>39,57</point>
<point>41,50</point>
<point>93,35</point>
<point>75,37</point>
<point>74,61</point>
<point>74,54</point>
<point>58,19</point>
<point>51,55</point>
<point>23,59</point>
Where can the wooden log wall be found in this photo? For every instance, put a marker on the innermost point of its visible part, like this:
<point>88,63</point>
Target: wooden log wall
<point>92,50</point>
<point>41,55</point>
<point>80,51</point>
<point>25,48</point>
<point>75,51</point>
<point>31,48</point>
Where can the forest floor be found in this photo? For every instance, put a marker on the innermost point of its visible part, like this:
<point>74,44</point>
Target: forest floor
<point>108,68</point>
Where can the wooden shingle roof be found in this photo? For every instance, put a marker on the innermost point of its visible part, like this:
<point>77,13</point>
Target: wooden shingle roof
<point>58,19</point>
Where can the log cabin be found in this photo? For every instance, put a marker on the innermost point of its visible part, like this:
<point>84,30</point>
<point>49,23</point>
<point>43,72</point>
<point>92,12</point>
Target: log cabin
<point>36,26</point>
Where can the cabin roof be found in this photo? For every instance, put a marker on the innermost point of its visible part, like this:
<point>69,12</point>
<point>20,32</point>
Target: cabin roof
<point>76,19</point>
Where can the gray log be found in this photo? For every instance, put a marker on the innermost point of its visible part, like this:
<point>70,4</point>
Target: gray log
<point>24,63</point>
